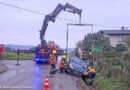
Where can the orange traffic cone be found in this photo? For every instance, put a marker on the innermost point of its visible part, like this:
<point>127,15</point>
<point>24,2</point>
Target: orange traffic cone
<point>46,80</point>
<point>46,85</point>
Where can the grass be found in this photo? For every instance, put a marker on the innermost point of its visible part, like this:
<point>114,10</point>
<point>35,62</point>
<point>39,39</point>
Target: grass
<point>103,83</point>
<point>113,73</point>
<point>109,83</point>
<point>13,56</point>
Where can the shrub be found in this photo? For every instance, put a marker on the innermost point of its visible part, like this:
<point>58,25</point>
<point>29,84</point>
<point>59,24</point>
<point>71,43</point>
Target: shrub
<point>108,55</point>
<point>121,48</point>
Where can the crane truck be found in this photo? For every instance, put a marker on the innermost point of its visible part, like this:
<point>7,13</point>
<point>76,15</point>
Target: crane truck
<point>51,17</point>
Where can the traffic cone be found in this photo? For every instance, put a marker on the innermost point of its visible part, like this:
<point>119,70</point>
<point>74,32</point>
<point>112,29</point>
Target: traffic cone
<point>46,80</point>
<point>46,85</point>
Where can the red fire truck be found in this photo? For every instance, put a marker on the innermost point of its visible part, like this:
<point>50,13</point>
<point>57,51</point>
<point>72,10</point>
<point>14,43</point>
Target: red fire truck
<point>2,47</point>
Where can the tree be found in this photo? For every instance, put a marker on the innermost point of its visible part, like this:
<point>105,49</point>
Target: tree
<point>121,48</point>
<point>127,41</point>
<point>96,39</point>
<point>8,49</point>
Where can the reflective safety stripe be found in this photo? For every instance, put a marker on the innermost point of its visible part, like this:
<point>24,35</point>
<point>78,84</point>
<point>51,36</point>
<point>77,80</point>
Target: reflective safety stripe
<point>46,83</point>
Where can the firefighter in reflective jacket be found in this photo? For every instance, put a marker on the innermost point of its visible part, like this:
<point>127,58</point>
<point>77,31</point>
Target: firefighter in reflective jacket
<point>89,74</point>
<point>52,61</point>
<point>61,65</point>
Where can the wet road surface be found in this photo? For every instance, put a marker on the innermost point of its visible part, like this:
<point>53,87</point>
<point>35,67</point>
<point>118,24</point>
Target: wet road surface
<point>31,76</point>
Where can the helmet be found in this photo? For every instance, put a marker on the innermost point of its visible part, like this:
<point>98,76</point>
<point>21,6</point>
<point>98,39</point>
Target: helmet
<point>89,67</point>
<point>64,52</point>
<point>64,56</point>
<point>54,52</point>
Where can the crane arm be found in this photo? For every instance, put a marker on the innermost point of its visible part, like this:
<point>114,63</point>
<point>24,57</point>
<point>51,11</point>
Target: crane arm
<point>53,15</point>
<point>72,9</point>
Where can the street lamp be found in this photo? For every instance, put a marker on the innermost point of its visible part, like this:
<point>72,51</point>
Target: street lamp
<point>67,33</point>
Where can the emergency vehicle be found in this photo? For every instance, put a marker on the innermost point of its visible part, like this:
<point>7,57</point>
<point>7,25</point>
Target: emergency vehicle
<point>2,47</point>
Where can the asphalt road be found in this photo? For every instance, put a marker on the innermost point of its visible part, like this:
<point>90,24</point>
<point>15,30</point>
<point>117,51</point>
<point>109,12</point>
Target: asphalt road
<point>31,76</point>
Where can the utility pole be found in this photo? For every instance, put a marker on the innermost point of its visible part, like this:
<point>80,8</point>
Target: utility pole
<point>18,53</point>
<point>67,33</point>
<point>92,46</point>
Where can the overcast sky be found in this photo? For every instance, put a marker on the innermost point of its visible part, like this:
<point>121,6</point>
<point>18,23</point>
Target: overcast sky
<point>22,27</point>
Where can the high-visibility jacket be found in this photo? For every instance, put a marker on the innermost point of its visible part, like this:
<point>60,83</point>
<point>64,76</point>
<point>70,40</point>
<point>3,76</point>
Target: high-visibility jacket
<point>61,64</point>
<point>52,60</point>
<point>91,70</point>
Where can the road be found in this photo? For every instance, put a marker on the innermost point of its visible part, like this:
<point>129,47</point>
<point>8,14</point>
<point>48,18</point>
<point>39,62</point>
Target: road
<point>31,76</point>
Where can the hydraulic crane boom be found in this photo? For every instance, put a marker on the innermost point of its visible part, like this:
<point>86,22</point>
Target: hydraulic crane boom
<point>52,16</point>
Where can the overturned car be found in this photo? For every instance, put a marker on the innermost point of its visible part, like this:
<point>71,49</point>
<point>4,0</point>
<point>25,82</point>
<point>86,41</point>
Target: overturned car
<point>76,66</point>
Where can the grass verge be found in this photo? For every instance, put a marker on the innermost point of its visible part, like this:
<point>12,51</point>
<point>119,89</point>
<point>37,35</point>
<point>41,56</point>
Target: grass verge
<point>13,56</point>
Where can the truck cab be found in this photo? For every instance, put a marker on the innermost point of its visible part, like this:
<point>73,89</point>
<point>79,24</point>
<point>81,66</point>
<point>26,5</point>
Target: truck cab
<point>2,47</point>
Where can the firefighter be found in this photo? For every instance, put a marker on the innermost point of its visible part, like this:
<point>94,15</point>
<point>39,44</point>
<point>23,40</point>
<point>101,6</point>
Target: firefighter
<point>89,74</point>
<point>52,61</point>
<point>64,55</point>
<point>62,64</point>
<point>55,53</point>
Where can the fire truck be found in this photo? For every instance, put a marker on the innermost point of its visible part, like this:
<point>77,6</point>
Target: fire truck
<point>2,47</point>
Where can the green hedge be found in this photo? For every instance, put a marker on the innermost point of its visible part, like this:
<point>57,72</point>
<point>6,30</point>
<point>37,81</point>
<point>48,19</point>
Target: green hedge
<point>108,55</point>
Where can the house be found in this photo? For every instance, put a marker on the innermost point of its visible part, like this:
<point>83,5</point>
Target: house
<point>116,36</point>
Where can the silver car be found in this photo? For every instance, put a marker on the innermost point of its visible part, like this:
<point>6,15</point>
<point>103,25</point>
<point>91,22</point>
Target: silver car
<point>76,66</point>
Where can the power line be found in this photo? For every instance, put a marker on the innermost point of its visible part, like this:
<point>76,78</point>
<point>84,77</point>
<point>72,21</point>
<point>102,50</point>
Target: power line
<point>22,8</point>
<point>32,11</point>
<point>36,12</point>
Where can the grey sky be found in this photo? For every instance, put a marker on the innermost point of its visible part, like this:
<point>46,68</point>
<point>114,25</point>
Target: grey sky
<point>22,27</point>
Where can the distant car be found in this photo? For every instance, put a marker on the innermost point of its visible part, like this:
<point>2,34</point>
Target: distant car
<point>76,66</point>
<point>41,59</point>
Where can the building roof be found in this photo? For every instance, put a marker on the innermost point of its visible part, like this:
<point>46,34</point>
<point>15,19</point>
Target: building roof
<point>115,32</point>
